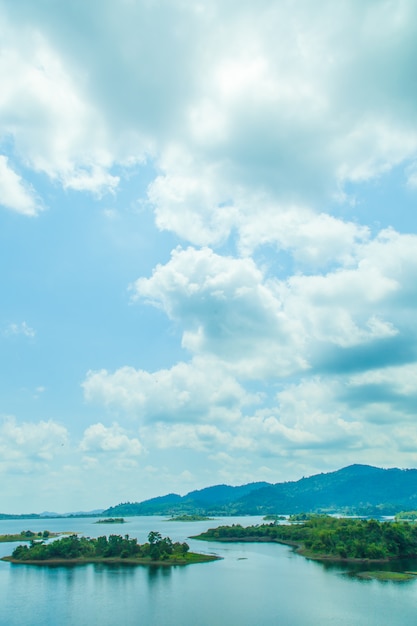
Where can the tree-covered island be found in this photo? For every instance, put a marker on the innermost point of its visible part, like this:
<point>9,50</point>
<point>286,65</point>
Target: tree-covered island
<point>329,538</point>
<point>111,520</point>
<point>190,518</point>
<point>114,549</point>
<point>28,535</point>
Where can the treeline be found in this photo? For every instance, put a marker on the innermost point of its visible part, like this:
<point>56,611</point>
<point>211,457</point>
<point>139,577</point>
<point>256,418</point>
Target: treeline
<point>158,548</point>
<point>27,535</point>
<point>409,516</point>
<point>328,536</point>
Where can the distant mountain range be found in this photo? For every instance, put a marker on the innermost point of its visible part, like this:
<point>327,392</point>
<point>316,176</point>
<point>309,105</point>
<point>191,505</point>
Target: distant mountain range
<point>353,490</point>
<point>356,489</point>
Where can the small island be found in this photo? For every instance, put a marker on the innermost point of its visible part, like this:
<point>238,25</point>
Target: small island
<point>190,518</point>
<point>111,520</point>
<point>75,550</point>
<point>326,538</point>
<point>406,516</point>
<point>28,535</point>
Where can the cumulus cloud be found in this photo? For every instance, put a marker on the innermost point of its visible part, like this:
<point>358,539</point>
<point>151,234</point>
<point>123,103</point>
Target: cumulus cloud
<point>261,122</point>
<point>51,125</point>
<point>15,194</point>
<point>27,445</point>
<point>240,325</point>
<point>200,389</point>
<point>228,309</point>
<point>113,439</point>
<point>290,107</point>
<point>280,99</point>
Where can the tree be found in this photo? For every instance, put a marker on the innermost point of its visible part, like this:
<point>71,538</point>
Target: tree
<point>154,537</point>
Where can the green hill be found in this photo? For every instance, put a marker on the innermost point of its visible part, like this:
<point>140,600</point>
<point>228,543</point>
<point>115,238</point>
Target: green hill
<point>356,489</point>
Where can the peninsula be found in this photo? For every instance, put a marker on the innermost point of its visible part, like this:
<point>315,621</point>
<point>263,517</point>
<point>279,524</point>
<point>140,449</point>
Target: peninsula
<point>326,538</point>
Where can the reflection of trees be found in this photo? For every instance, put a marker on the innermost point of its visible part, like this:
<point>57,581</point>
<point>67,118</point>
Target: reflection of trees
<point>159,572</point>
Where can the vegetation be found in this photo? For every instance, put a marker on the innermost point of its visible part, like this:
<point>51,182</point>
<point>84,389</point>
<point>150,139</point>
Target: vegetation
<point>303,517</point>
<point>190,518</point>
<point>407,516</point>
<point>28,535</point>
<point>354,490</point>
<point>383,575</point>
<point>111,520</point>
<point>274,518</point>
<point>158,549</point>
<point>327,537</point>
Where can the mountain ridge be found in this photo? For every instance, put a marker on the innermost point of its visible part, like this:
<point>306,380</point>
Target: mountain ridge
<point>355,489</point>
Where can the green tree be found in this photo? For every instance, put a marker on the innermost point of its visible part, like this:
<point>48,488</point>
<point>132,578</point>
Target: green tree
<point>154,537</point>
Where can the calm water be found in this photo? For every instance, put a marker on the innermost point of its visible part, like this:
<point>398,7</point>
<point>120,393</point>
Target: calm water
<point>254,585</point>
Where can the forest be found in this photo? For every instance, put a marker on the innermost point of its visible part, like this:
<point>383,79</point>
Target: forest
<point>326,536</point>
<point>157,548</point>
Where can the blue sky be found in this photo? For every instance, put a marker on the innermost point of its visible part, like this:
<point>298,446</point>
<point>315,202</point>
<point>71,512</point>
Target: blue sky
<point>208,245</point>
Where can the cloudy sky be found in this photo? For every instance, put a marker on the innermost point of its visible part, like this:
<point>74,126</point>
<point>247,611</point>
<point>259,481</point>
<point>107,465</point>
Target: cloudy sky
<point>208,241</point>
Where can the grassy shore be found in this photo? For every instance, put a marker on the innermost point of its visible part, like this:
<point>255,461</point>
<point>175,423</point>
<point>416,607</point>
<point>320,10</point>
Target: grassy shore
<point>187,559</point>
<point>24,536</point>
<point>386,576</point>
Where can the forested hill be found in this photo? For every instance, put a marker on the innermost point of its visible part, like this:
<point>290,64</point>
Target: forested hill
<point>357,489</point>
<point>217,499</point>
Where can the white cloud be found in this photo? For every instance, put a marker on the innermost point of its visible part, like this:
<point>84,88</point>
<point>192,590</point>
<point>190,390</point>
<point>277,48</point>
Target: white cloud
<point>24,446</point>
<point>228,309</point>
<point>291,101</point>
<point>110,440</point>
<point>241,326</point>
<point>15,194</point>
<point>54,128</point>
<point>20,329</point>
<point>294,107</point>
<point>200,389</point>
<point>200,437</point>
<point>314,240</point>
<point>260,120</point>
<point>400,380</point>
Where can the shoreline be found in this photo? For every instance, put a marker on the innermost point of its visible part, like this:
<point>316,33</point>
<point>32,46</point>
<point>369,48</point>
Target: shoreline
<point>195,558</point>
<point>302,551</point>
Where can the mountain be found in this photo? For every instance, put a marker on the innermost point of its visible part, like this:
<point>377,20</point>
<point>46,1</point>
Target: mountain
<point>217,500</point>
<point>356,489</point>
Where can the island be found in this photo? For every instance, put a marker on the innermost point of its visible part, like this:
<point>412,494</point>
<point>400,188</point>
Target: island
<point>326,538</point>
<point>406,516</point>
<point>111,520</point>
<point>190,518</point>
<point>74,550</point>
<point>29,535</point>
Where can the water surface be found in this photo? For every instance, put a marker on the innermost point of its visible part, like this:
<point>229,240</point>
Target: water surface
<point>254,585</point>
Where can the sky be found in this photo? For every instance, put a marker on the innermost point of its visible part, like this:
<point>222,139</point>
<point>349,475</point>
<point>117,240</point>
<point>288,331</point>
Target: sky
<point>208,244</point>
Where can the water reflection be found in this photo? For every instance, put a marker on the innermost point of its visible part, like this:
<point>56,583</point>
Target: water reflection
<point>254,584</point>
<point>157,572</point>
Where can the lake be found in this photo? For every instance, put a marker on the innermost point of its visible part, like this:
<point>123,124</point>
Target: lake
<point>254,585</point>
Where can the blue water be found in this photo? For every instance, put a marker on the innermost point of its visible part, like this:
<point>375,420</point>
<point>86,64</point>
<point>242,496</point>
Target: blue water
<point>254,585</point>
